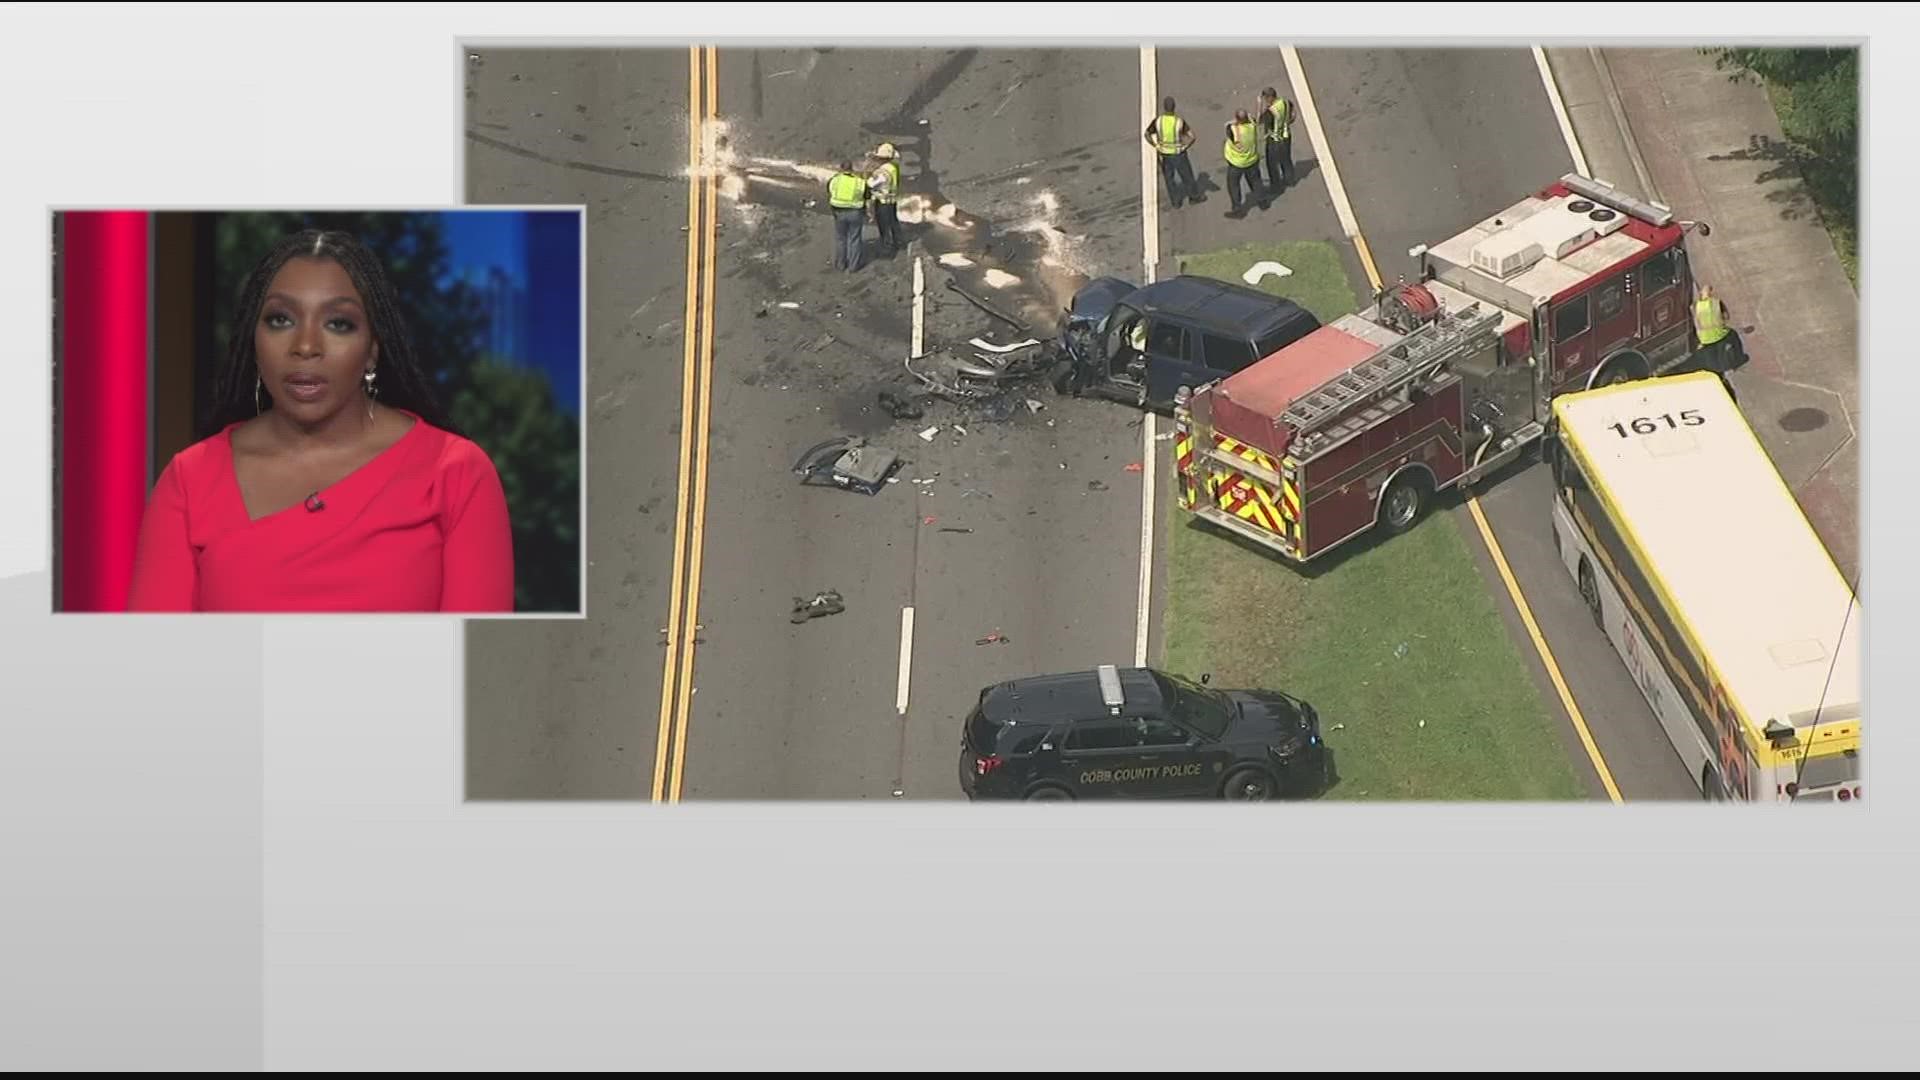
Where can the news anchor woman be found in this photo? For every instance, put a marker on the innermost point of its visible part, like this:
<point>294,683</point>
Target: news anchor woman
<point>330,481</point>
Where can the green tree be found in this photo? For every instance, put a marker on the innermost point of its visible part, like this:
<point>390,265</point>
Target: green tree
<point>1816,93</point>
<point>508,411</point>
<point>536,447</point>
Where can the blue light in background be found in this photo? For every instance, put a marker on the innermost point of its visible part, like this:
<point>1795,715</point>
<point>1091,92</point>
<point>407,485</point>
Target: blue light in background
<point>525,266</point>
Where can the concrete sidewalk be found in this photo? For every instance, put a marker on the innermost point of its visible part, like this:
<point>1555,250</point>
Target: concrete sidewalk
<point>1666,125</point>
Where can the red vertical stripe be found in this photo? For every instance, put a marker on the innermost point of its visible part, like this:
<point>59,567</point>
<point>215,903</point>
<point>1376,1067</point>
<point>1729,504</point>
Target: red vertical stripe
<point>103,376</point>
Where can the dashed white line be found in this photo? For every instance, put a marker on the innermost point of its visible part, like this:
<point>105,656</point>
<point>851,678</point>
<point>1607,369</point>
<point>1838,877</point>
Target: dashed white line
<point>1149,187</point>
<point>1560,110</point>
<point>919,304</point>
<point>906,659</point>
<point>1150,245</point>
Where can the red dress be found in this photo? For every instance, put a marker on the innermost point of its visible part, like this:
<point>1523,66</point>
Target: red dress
<point>422,527</point>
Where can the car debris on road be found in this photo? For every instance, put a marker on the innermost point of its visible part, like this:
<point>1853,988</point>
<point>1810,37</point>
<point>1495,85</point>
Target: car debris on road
<point>826,602</point>
<point>849,463</point>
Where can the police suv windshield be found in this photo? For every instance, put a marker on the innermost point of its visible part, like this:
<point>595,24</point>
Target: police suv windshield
<point>1206,711</point>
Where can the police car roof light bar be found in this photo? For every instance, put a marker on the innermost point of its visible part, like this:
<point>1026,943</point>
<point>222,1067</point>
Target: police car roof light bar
<point>1110,686</point>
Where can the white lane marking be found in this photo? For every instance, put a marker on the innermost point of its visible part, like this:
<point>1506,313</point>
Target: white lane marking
<point>1298,77</point>
<point>1150,244</point>
<point>1560,111</point>
<point>919,304</point>
<point>906,659</point>
<point>1149,187</point>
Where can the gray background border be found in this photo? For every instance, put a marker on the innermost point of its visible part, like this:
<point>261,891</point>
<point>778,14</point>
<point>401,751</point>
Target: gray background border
<point>185,886</point>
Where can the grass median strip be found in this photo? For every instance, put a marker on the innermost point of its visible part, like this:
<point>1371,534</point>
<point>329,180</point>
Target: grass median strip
<point>1390,635</point>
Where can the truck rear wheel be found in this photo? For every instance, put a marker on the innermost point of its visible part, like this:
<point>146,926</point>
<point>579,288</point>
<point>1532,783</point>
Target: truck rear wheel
<point>1404,502</point>
<point>1589,591</point>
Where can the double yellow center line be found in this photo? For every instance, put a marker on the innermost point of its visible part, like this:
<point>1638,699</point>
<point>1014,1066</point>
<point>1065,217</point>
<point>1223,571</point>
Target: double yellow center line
<point>683,613</point>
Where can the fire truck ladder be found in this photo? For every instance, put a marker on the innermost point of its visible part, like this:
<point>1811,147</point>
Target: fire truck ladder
<point>1449,336</point>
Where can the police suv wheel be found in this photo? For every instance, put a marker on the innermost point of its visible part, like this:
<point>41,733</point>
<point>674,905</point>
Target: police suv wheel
<point>1049,793</point>
<point>1249,785</point>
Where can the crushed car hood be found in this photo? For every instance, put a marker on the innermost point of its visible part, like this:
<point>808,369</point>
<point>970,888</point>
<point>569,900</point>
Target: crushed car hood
<point>1097,298</point>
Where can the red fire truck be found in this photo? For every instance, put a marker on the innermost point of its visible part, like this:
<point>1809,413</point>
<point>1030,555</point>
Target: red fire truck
<point>1443,380</point>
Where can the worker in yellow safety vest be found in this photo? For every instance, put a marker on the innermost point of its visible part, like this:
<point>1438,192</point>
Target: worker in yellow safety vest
<point>884,185</point>
<point>847,196</point>
<point>1243,163</point>
<point>1720,348</point>
<point>1170,138</point>
<point>1276,123</point>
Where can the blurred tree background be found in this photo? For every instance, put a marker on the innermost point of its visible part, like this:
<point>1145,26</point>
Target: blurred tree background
<point>1816,94</point>
<point>507,409</point>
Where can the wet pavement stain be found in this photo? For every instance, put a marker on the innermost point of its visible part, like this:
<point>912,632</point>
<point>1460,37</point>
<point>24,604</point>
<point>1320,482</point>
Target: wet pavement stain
<point>1803,419</point>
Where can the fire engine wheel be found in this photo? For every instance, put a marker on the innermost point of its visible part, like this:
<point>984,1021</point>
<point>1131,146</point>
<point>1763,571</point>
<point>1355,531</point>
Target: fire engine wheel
<point>1406,498</point>
<point>1248,785</point>
<point>1625,367</point>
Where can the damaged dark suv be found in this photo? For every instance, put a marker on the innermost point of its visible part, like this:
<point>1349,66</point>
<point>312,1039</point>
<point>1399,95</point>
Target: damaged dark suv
<point>1138,733</point>
<point>1141,345</point>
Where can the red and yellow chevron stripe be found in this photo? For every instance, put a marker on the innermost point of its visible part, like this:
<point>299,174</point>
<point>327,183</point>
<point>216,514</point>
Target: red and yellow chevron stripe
<point>1244,452</point>
<point>1183,464</point>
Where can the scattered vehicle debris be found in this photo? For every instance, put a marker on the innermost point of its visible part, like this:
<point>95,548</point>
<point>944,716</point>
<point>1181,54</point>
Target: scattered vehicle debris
<point>848,463</point>
<point>930,433</point>
<point>988,308</point>
<point>1264,267</point>
<point>995,638</point>
<point>899,408</point>
<point>984,375</point>
<point>982,343</point>
<point>952,529</point>
<point>827,602</point>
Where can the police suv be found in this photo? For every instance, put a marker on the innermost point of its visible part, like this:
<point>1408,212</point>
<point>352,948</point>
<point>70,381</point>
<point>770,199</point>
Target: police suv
<point>1133,733</point>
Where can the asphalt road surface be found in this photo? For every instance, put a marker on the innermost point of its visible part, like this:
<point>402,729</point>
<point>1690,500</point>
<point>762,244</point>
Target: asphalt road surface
<point>1037,152</point>
<point>811,710</point>
<point>569,709</point>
